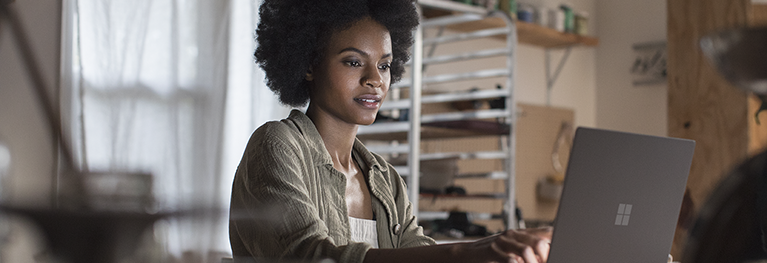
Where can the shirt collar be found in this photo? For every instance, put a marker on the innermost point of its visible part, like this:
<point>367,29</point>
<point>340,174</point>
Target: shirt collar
<point>306,126</point>
<point>368,157</point>
<point>313,138</point>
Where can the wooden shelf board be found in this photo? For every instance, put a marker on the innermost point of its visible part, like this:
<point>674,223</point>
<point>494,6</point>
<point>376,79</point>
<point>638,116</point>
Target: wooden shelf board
<point>537,35</point>
<point>527,33</point>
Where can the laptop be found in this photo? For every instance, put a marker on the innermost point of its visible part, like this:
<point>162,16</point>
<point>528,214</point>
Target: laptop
<point>621,198</point>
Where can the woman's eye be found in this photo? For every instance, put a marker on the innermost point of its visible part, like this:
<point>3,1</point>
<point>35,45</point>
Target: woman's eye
<point>353,63</point>
<point>385,67</point>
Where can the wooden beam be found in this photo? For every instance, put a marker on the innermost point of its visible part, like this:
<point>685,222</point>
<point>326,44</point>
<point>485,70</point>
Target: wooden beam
<point>701,105</point>
<point>757,129</point>
<point>758,15</point>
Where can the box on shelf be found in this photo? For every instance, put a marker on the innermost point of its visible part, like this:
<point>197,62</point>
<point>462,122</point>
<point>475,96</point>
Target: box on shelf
<point>492,225</point>
<point>467,144</point>
<point>479,166</point>
<point>481,186</point>
<point>471,204</point>
<point>437,175</point>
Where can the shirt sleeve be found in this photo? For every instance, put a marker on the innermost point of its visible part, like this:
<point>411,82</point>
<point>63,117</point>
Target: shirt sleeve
<point>412,234</point>
<point>272,216</point>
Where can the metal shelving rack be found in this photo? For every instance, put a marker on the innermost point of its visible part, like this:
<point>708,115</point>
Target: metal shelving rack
<point>418,125</point>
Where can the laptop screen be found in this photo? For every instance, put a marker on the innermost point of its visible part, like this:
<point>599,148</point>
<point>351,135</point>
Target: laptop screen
<point>621,197</point>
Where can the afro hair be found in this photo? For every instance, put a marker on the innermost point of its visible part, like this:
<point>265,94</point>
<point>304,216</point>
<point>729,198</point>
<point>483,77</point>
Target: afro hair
<point>292,34</point>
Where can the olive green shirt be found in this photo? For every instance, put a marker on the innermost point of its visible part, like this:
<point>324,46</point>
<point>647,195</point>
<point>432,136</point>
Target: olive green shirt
<point>288,202</point>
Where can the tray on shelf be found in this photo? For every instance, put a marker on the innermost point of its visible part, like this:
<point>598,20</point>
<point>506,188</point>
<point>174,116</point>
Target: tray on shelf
<point>446,129</point>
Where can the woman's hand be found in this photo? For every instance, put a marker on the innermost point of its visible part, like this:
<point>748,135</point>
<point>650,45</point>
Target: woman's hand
<point>511,246</point>
<point>528,246</point>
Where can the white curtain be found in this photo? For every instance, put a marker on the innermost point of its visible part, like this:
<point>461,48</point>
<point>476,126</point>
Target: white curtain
<point>149,84</point>
<point>250,103</point>
<point>167,87</point>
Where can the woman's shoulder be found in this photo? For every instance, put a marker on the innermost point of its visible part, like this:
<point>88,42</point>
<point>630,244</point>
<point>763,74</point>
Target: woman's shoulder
<point>275,138</point>
<point>292,129</point>
<point>295,134</point>
<point>276,132</point>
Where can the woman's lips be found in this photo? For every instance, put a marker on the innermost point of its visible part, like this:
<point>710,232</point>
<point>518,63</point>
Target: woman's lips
<point>369,101</point>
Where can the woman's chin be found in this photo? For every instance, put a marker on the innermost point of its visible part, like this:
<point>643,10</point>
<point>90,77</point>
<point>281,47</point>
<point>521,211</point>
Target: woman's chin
<point>367,121</point>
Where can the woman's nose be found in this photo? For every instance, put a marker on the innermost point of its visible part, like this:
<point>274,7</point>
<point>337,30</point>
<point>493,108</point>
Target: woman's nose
<point>373,77</point>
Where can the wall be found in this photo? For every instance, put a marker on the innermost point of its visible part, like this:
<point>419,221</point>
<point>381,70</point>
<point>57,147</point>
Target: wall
<point>21,121</point>
<point>575,90</point>
<point>576,87</point>
<point>22,125</point>
<point>596,82</point>
<point>619,104</point>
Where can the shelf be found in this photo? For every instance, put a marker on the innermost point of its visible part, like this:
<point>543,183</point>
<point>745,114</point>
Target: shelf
<point>527,33</point>
<point>537,35</point>
<point>464,155</point>
<point>426,133</point>
<point>441,122</point>
<point>441,5</point>
<point>487,73</point>
<point>448,97</point>
<point>404,149</point>
<point>466,203</point>
<point>397,131</point>
<point>532,34</point>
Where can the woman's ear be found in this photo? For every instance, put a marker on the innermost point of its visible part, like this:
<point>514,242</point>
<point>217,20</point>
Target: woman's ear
<point>309,76</point>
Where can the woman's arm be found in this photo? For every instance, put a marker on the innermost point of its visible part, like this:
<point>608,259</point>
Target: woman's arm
<point>530,245</point>
<point>510,246</point>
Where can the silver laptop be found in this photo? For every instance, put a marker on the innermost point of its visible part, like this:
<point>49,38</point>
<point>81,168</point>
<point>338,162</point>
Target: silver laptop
<point>621,198</point>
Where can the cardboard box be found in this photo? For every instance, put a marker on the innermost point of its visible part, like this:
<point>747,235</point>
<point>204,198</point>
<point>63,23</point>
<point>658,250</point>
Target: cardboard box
<point>492,225</point>
<point>436,175</point>
<point>481,186</point>
<point>469,204</point>
<point>467,144</point>
<point>479,166</point>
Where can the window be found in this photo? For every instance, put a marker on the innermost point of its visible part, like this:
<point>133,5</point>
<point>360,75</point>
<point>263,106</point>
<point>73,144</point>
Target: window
<point>167,87</point>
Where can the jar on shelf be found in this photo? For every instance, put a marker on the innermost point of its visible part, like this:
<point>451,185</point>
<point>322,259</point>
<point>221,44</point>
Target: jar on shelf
<point>509,7</point>
<point>569,18</point>
<point>556,19</point>
<point>582,23</point>
<point>526,13</point>
<point>542,16</point>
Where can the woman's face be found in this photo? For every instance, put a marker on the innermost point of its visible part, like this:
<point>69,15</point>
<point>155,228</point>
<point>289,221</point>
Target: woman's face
<point>353,77</point>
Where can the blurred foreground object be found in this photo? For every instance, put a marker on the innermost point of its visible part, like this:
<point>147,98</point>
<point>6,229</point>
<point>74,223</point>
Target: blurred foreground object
<point>732,223</point>
<point>740,55</point>
<point>93,217</point>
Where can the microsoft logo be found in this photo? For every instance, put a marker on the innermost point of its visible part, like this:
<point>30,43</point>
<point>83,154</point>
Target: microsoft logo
<point>622,219</point>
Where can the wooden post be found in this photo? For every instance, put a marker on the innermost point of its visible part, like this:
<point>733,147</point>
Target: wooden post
<point>701,105</point>
<point>757,130</point>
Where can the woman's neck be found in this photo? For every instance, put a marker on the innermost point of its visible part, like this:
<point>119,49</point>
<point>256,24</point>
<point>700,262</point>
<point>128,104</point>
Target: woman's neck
<point>338,137</point>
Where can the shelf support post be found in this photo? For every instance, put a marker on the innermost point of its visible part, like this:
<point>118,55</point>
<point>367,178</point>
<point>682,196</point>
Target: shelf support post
<point>511,107</point>
<point>551,79</point>
<point>414,135</point>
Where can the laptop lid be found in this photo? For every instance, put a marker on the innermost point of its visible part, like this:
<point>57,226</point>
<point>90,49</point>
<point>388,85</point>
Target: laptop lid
<point>621,199</point>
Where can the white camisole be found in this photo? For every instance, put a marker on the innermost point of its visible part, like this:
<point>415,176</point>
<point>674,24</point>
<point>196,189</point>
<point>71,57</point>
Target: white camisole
<point>364,230</point>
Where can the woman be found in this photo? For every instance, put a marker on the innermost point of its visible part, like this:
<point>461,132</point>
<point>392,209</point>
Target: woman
<point>306,188</point>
